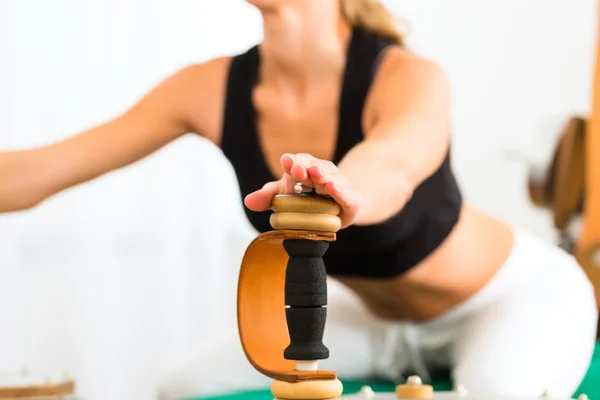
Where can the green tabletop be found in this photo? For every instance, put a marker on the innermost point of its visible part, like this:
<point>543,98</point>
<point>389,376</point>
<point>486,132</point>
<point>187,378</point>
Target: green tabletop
<point>590,386</point>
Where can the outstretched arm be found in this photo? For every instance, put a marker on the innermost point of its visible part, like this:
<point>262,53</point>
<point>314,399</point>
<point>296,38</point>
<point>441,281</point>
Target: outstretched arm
<point>28,177</point>
<point>407,141</point>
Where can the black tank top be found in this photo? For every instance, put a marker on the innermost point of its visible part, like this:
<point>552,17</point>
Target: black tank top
<point>384,250</point>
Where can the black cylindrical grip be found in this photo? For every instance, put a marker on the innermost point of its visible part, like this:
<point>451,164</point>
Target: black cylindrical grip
<point>306,276</point>
<point>305,269</point>
<point>306,327</point>
<point>302,300</point>
<point>305,248</point>
<point>304,291</point>
<point>305,294</point>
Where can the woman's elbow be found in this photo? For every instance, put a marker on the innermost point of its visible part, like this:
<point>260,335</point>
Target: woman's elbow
<point>19,189</point>
<point>18,197</point>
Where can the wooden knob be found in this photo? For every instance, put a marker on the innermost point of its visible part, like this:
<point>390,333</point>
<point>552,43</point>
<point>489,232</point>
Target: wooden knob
<point>308,390</point>
<point>305,211</point>
<point>414,389</point>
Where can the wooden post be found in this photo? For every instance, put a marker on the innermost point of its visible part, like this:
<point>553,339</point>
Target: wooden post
<point>588,244</point>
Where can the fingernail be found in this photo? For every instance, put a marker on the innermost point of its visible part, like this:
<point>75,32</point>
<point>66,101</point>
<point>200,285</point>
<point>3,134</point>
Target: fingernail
<point>302,167</point>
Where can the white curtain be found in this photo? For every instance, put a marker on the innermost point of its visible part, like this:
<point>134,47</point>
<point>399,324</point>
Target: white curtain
<point>119,278</point>
<point>115,280</point>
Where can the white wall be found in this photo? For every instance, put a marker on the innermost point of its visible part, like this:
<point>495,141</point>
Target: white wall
<point>118,278</point>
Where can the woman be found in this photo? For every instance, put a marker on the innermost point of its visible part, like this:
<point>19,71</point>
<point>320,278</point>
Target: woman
<point>331,99</point>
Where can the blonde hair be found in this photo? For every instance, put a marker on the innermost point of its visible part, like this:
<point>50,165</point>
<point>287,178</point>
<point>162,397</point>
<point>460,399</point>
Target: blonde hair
<point>373,16</point>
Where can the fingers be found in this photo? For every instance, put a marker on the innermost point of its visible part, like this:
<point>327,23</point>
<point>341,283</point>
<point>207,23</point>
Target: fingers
<point>334,184</point>
<point>261,199</point>
<point>320,178</point>
<point>295,166</point>
<point>322,175</point>
<point>325,177</point>
<point>287,161</point>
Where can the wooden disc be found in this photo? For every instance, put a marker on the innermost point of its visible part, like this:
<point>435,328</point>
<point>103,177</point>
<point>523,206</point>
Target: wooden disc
<point>414,389</point>
<point>305,203</point>
<point>305,221</point>
<point>309,390</point>
<point>334,398</point>
<point>414,392</point>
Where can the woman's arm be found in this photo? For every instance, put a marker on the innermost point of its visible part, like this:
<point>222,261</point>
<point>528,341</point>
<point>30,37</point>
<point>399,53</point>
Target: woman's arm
<point>171,109</point>
<point>408,140</point>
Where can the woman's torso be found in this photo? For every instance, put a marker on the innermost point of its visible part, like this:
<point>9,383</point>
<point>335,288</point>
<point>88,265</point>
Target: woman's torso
<point>435,253</point>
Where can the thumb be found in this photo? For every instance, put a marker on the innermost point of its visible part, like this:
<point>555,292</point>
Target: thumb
<point>261,199</point>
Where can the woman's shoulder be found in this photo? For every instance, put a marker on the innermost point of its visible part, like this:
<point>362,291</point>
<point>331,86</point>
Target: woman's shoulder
<point>205,71</point>
<point>219,66</point>
<point>401,66</point>
<point>205,86</point>
<point>407,77</point>
<point>200,90</point>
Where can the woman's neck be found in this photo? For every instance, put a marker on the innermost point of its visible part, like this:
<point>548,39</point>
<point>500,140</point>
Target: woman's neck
<point>300,52</point>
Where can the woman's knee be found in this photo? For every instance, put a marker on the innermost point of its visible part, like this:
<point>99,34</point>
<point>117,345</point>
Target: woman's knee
<point>525,376</point>
<point>541,340</point>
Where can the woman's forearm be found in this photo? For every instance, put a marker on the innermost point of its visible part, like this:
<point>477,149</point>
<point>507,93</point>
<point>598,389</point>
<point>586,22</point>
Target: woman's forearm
<point>385,186</point>
<point>408,139</point>
<point>18,188</point>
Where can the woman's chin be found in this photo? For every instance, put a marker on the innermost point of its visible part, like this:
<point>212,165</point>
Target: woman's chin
<point>264,4</point>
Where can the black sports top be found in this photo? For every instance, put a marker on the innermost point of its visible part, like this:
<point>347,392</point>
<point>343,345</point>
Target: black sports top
<point>383,250</point>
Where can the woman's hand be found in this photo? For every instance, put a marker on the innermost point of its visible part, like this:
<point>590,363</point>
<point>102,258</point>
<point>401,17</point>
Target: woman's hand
<point>321,175</point>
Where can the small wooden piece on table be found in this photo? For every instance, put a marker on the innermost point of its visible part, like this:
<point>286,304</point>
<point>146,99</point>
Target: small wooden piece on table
<point>24,386</point>
<point>414,388</point>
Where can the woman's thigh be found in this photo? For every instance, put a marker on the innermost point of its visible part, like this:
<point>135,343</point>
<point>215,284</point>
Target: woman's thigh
<point>536,338</point>
<point>353,336</point>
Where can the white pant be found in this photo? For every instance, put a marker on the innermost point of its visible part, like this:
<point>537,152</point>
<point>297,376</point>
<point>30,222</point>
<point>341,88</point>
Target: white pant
<point>531,329</point>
